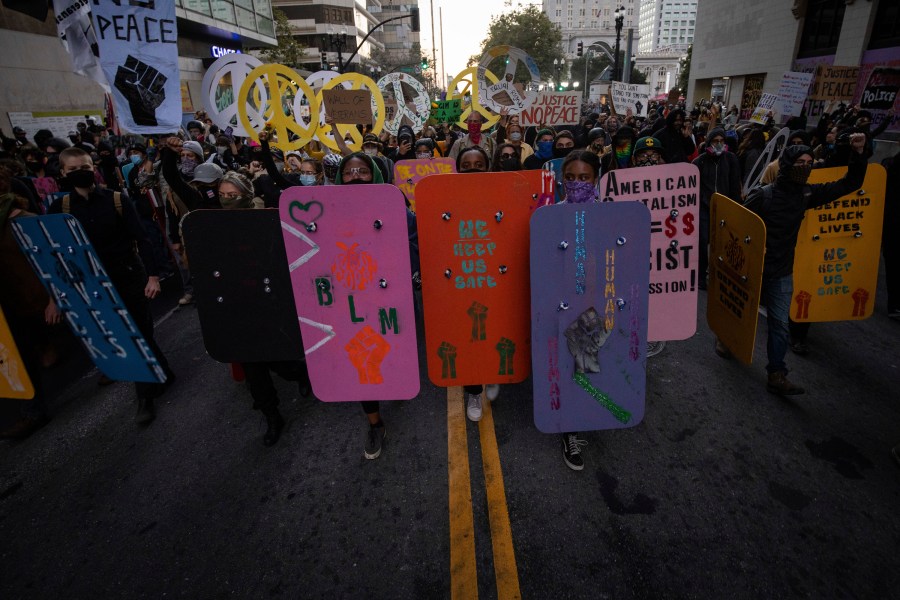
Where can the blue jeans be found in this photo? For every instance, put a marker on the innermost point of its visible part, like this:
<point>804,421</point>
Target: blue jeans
<point>776,294</point>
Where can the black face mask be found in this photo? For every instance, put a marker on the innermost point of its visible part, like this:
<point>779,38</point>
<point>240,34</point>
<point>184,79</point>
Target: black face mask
<point>561,152</point>
<point>80,178</point>
<point>509,163</point>
<point>355,182</point>
<point>34,166</point>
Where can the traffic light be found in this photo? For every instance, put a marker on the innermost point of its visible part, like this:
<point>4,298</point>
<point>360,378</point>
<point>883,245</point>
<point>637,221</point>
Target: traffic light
<point>414,13</point>
<point>424,63</point>
<point>324,60</point>
<point>580,50</point>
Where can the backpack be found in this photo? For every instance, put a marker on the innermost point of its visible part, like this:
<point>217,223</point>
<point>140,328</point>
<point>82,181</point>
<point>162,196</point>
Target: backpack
<point>67,203</point>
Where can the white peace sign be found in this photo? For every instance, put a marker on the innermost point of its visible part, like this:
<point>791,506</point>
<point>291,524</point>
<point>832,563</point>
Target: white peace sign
<point>487,94</point>
<point>236,67</point>
<point>317,81</point>
<point>422,101</point>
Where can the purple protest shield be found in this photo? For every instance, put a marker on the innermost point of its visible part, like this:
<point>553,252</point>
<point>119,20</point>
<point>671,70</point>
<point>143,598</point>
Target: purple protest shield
<point>589,298</point>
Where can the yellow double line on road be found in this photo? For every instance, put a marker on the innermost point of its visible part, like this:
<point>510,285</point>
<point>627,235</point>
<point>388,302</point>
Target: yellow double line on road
<point>463,571</point>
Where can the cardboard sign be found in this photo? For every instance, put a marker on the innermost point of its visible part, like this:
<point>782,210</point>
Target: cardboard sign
<point>14,380</point>
<point>408,173</point>
<point>241,285</point>
<point>65,261</point>
<point>834,83</point>
<point>348,254</point>
<point>674,95</point>
<point>838,250</point>
<point>348,106</point>
<point>766,104</point>
<point>792,93</point>
<point>552,108</point>
<point>589,315</point>
<point>881,89</point>
<point>448,111</point>
<point>473,242</point>
<point>672,193</point>
<point>737,246</point>
<point>630,95</point>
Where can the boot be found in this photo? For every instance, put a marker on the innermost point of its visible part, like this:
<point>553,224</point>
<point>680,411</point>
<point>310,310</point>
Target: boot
<point>145,413</point>
<point>275,423</point>
<point>779,384</point>
<point>722,350</point>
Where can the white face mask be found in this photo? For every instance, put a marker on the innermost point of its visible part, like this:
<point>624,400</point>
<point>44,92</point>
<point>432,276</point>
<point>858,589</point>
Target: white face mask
<point>515,136</point>
<point>371,151</point>
<point>423,155</point>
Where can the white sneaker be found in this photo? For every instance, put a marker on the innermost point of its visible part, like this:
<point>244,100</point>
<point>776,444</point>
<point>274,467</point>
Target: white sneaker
<point>473,407</point>
<point>491,391</point>
<point>186,299</point>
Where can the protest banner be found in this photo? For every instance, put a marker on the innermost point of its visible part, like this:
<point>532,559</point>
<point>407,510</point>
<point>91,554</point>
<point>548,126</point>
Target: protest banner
<point>838,251</point>
<point>14,380</point>
<point>552,108</point>
<point>348,106</point>
<point>408,173</point>
<point>753,85</point>
<point>139,55</point>
<point>674,95</point>
<point>766,105</point>
<point>60,253</point>
<point>880,91</point>
<point>630,95</point>
<point>348,255</point>
<point>238,271</point>
<point>76,33</point>
<point>834,83</point>
<point>60,123</point>
<point>671,193</point>
<point>589,315</point>
<point>447,111</point>
<point>792,92</point>
<point>737,247</point>
<point>473,241</point>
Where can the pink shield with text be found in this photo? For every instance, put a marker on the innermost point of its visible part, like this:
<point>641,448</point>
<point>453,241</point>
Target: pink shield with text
<point>408,173</point>
<point>348,255</point>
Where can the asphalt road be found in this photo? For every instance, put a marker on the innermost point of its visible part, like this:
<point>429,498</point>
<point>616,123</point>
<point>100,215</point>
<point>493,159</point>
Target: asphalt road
<point>722,491</point>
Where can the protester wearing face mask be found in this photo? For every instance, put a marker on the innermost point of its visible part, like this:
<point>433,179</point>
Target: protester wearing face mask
<point>597,141</point>
<point>424,148</point>
<point>720,172</point>
<point>507,158</point>
<point>563,143</point>
<point>648,152</point>
<point>543,150</point>
<point>509,131</point>
<point>474,137</point>
<point>782,207</point>
<point>191,156</point>
<point>618,154</point>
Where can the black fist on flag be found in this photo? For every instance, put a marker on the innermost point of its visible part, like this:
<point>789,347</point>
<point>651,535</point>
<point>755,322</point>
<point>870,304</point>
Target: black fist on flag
<point>144,88</point>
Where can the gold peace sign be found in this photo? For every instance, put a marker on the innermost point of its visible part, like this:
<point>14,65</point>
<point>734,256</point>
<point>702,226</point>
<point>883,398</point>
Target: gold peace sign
<point>281,83</point>
<point>470,78</point>
<point>357,81</point>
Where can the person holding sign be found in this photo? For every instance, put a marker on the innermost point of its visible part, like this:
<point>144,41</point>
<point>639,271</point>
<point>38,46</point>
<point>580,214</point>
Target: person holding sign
<point>782,206</point>
<point>675,138</point>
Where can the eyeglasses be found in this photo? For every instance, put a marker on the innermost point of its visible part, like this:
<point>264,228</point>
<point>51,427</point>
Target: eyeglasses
<point>358,171</point>
<point>506,154</point>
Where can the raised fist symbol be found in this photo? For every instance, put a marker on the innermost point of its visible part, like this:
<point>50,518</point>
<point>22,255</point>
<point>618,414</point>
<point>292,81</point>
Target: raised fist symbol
<point>506,348</point>
<point>478,312</point>
<point>447,353</point>
<point>144,88</point>
<point>367,350</point>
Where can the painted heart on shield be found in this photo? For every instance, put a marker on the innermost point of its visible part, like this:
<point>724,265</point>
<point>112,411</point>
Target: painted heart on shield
<point>306,208</point>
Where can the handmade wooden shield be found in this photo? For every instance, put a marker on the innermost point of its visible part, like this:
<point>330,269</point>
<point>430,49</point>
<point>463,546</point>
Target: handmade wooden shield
<point>348,251</point>
<point>555,167</point>
<point>838,250</point>
<point>672,193</point>
<point>64,259</point>
<point>14,380</point>
<point>589,315</point>
<point>737,247</point>
<point>473,241</point>
<point>241,285</point>
<point>408,173</point>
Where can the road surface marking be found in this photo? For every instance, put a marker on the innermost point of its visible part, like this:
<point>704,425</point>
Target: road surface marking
<point>463,573</point>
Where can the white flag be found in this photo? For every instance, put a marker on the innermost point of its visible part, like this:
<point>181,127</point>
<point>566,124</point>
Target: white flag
<point>73,24</point>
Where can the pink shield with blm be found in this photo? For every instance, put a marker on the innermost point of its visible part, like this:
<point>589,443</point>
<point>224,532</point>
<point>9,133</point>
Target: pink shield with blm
<point>348,255</point>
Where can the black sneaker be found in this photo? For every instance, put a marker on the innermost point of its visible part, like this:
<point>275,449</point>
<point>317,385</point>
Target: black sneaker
<point>572,451</point>
<point>145,413</point>
<point>800,348</point>
<point>374,441</point>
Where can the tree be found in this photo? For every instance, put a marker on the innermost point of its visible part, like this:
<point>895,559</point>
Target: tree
<point>289,51</point>
<point>684,66</point>
<point>528,29</point>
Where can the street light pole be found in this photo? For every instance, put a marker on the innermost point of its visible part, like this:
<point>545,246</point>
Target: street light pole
<point>337,41</point>
<point>587,60</point>
<point>620,20</point>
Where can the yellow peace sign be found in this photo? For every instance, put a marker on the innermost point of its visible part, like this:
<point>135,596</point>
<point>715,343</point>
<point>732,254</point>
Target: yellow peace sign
<point>470,78</point>
<point>281,82</point>
<point>357,81</point>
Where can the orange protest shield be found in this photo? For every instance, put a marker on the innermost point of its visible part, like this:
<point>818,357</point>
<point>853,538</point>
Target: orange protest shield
<point>14,380</point>
<point>473,240</point>
<point>838,250</point>
<point>737,249</point>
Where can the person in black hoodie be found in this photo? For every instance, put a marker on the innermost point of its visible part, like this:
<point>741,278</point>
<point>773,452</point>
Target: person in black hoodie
<point>679,146</point>
<point>618,153</point>
<point>782,206</point>
<point>720,173</point>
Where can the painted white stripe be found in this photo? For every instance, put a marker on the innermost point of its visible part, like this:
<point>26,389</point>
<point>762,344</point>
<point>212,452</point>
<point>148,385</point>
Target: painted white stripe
<point>314,248</point>
<point>327,329</point>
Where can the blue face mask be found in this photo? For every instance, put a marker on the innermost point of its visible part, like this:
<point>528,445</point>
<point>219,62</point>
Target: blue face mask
<point>307,180</point>
<point>580,192</point>
<point>544,150</point>
<point>135,159</point>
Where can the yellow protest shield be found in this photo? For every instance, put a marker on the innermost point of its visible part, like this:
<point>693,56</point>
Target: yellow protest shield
<point>14,380</point>
<point>838,250</point>
<point>737,247</point>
